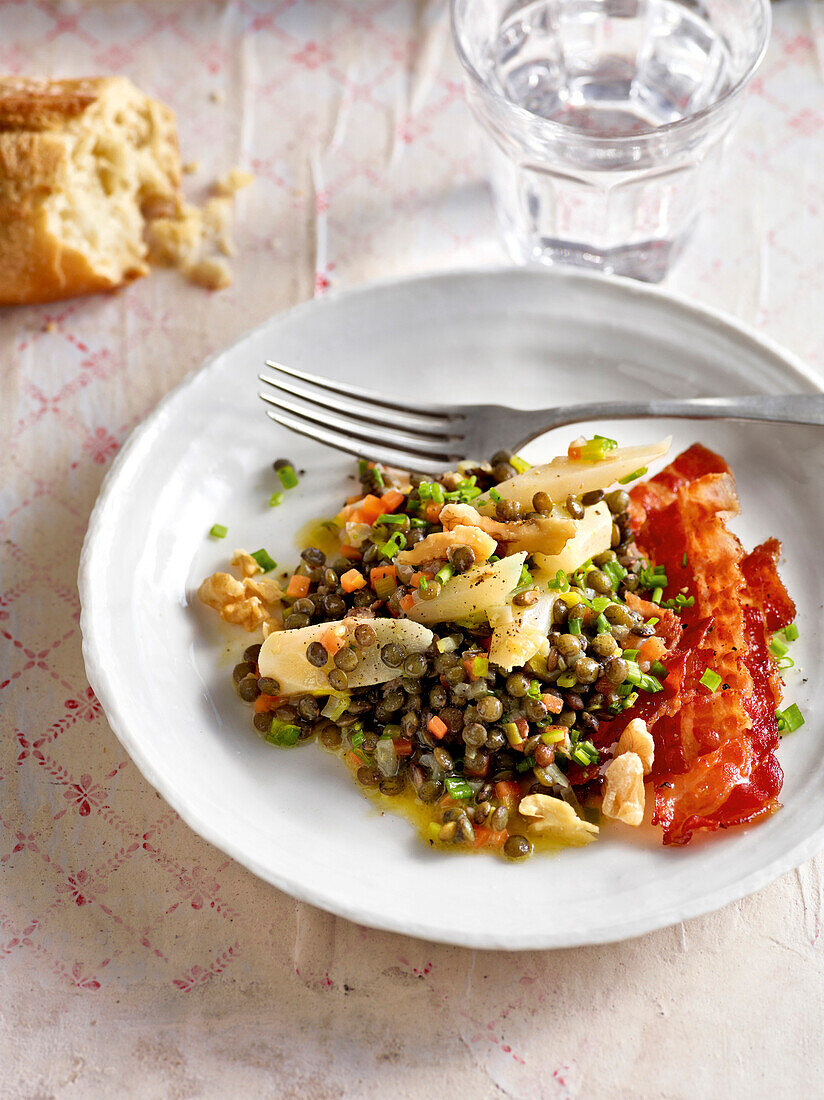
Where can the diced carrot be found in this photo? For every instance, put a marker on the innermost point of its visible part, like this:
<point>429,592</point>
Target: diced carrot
<point>653,649</point>
<point>403,746</point>
<point>372,507</point>
<point>508,790</point>
<point>437,727</point>
<point>298,586</point>
<point>553,703</point>
<point>486,838</point>
<point>352,580</point>
<point>433,511</point>
<point>266,702</point>
<point>408,602</point>
<point>351,552</point>
<point>380,572</point>
<point>353,761</point>
<point>358,516</point>
<point>391,500</point>
<point>419,576</point>
<point>523,727</point>
<point>332,640</point>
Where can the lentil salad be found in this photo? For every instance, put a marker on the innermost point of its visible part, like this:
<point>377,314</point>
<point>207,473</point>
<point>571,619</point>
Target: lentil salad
<point>490,651</point>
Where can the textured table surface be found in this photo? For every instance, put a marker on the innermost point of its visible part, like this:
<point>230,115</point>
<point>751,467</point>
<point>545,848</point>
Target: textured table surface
<point>134,958</point>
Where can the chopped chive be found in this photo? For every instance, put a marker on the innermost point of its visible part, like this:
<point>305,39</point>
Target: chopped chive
<point>624,689</point>
<point>658,669</point>
<point>218,531</point>
<point>600,603</point>
<point>282,734</point>
<point>653,621</point>
<point>634,673</point>
<point>415,522</point>
<point>495,495</point>
<point>711,680</point>
<point>377,474</point>
<point>391,547</point>
<point>657,593</point>
<point>566,680</point>
<point>287,475</point>
<point>790,719</point>
<point>631,477</point>
<point>436,492</point>
<point>650,683</point>
<point>458,788</point>
<point>778,648</point>
<point>518,464</point>
<point>630,700</point>
<point>791,632</point>
<point>560,582</point>
<point>575,626</point>
<point>684,561</point>
<point>630,654</point>
<point>615,571</point>
<point>422,587</point>
<point>275,499</point>
<point>266,563</point>
<point>444,574</point>
<point>785,663</point>
<point>525,764</point>
<point>597,448</point>
<point>602,625</point>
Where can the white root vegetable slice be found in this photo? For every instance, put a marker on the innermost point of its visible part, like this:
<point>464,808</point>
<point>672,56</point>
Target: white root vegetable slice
<point>592,536</point>
<point>553,818</point>
<point>283,655</point>
<point>515,642</point>
<point>473,594</point>
<point>564,475</point>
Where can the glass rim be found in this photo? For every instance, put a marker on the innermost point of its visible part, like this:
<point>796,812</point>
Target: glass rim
<point>562,129</point>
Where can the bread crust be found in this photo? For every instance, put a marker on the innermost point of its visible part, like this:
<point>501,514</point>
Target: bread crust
<point>40,123</point>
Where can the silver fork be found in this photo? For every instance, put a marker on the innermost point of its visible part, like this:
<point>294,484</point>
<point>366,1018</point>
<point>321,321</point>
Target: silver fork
<point>429,439</point>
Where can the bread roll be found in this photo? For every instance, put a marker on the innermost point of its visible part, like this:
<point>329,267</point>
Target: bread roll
<point>84,164</point>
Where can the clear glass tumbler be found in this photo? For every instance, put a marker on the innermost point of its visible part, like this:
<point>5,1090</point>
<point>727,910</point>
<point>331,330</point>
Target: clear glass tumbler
<point>604,119</point>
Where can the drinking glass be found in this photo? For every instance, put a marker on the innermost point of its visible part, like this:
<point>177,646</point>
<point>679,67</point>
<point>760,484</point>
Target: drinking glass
<point>605,119</point>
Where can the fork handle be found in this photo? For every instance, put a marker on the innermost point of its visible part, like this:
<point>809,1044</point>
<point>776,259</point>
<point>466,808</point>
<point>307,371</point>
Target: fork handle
<point>794,408</point>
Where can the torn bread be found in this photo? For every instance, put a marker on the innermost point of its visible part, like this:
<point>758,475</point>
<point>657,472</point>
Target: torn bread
<point>84,165</point>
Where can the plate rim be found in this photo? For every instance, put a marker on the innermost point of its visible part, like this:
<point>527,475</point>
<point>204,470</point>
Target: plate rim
<point>101,681</point>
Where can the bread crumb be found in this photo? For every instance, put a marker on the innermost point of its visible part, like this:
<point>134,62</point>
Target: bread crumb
<point>211,274</point>
<point>233,182</point>
<point>196,237</point>
<point>190,167</point>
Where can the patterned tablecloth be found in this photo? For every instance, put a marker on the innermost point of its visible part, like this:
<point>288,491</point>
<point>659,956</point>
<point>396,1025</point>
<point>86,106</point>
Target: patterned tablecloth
<point>138,960</point>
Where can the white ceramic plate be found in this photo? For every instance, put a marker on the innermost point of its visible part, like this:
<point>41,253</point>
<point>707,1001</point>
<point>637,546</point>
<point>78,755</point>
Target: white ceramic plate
<point>160,664</point>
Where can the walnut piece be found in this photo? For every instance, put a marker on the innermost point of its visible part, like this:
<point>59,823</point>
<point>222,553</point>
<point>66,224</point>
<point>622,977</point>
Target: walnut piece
<point>637,738</point>
<point>557,820</point>
<point>244,561</point>
<point>624,789</point>
<point>251,603</point>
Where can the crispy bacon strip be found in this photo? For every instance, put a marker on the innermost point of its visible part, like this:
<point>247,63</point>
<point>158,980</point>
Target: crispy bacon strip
<point>714,758</point>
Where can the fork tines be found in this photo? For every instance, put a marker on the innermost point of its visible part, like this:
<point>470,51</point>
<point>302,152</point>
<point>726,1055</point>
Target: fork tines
<point>424,438</point>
